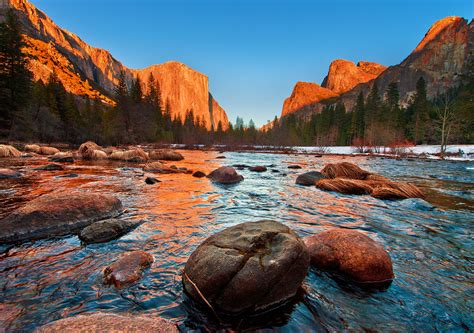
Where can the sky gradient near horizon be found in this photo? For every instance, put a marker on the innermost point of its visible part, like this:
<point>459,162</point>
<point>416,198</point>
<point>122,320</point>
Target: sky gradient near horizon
<point>253,51</point>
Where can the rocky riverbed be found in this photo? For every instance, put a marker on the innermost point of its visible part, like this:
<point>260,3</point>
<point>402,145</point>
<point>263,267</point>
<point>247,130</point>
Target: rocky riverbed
<point>429,241</point>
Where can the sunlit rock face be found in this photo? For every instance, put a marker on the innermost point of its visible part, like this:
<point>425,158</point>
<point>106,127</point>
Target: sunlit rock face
<point>304,95</point>
<point>344,75</point>
<point>440,58</point>
<point>93,72</point>
<point>186,89</point>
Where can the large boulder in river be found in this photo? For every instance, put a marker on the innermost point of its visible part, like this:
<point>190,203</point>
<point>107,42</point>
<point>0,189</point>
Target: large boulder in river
<point>128,269</point>
<point>106,230</point>
<point>165,155</point>
<point>57,214</point>
<point>225,175</point>
<point>9,173</point>
<point>108,323</point>
<point>247,268</point>
<point>351,254</point>
<point>309,178</point>
<point>344,170</point>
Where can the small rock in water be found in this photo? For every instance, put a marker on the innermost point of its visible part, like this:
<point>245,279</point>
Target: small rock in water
<point>106,230</point>
<point>108,322</point>
<point>151,180</point>
<point>351,254</point>
<point>69,175</point>
<point>50,167</point>
<point>294,166</point>
<point>128,269</point>
<point>247,268</point>
<point>61,158</point>
<point>225,175</point>
<point>258,168</point>
<point>309,178</point>
<point>57,214</point>
<point>221,157</point>
<point>199,174</point>
<point>275,170</point>
<point>9,173</point>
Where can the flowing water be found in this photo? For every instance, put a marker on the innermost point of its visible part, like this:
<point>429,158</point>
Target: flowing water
<point>430,243</point>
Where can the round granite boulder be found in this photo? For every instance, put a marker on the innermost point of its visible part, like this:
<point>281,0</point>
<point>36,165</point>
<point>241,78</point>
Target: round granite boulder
<point>108,323</point>
<point>351,254</point>
<point>106,230</point>
<point>309,178</point>
<point>247,268</point>
<point>225,175</point>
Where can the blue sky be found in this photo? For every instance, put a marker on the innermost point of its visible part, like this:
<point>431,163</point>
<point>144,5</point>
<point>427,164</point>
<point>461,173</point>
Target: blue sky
<point>253,51</point>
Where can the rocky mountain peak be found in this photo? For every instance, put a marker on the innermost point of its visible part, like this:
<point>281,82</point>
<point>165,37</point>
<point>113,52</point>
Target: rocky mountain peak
<point>439,26</point>
<point>343,75</point>
<point>93,72</point>
<point>304,94</point>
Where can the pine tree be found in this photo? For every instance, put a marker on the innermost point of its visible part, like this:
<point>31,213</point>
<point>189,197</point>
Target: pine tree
<point>420,112</point>
<point>15,78</point>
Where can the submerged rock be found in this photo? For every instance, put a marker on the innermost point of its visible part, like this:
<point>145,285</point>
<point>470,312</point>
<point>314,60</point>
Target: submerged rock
<point>128,269</point>
<point>199,174</point>
<point>309,178</point>
<point>108,323</point>
<point>50,167</point>
<point>225,175</point>
<point>258,168</point>
<point>57,214</point>
<point>247,268</point>
<point>351,254</point>
<point>106,230</point>
<point>9,173</point>
<point>165,155</point>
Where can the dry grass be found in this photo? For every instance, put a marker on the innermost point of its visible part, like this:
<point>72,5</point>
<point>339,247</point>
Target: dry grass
<point>91,151</point>
<point>381,189</point>
<point>9,151</point>
<point>344,170</point>
<point>343,185</point>
<point>376,177</point>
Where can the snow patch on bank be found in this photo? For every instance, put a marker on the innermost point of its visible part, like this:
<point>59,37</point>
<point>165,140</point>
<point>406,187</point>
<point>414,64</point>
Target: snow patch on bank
<point>457,152</point>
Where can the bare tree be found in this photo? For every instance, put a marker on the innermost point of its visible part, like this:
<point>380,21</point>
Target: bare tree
<point>446,119</point>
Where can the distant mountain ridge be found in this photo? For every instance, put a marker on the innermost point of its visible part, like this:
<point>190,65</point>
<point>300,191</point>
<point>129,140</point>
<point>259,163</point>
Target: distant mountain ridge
<point>93,72</point>
<point>440,58</point>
